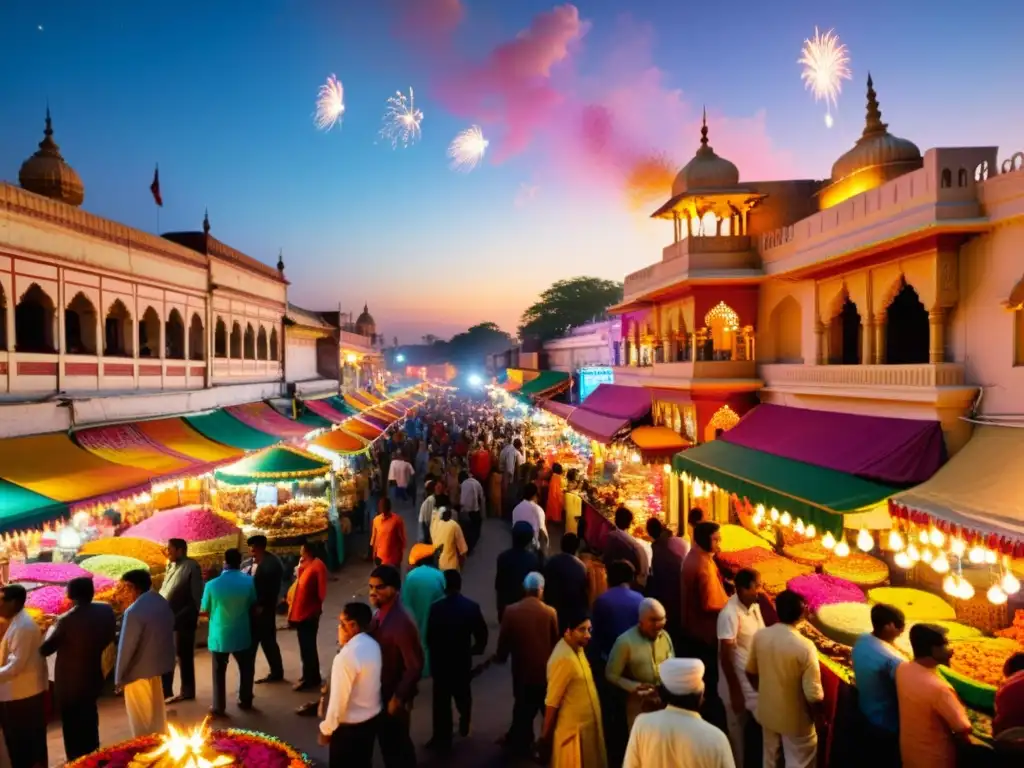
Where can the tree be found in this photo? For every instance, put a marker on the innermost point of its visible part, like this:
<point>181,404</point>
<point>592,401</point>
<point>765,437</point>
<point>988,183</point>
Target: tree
<point>430,339</point>
<point>474,344</point>
<point>566,304</point>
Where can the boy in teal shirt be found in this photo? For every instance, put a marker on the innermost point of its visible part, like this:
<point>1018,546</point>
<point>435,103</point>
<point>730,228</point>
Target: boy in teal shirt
<point>228,600</point>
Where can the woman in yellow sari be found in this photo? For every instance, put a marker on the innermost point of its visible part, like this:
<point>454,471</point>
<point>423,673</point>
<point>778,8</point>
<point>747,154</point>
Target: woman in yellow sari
<point>573,733</point>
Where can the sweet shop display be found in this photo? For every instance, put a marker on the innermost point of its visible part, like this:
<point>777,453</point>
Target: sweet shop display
<point>112,567</point>
<point>916,604</point>
<point>820,589</point>
<point>736,538</point>
<point>954,631</point>
<point>295,518</point>
<point>859,568</point>
<point>843,622</point>
<point>744,558</point>
<point>153,554</point>
<point>976,668</point>
<point>776,572</point>
<point>809,552</point>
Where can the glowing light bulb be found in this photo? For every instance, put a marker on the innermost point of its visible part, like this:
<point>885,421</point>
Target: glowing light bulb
<point>927,555</point>
<point>698,489</point>
<point>976,555</point>
<point>923,537</point>
<point>810,532</point>
<point>990,557</point>
<point>799,527</point>
<point>996,595</point>
<point>949,585</point>
<point>759,511</point>
<point>903,561</point>
<point>965,591</point>
<point>828,541</point>
<point>865,541</point>
<point>759,516</point>
<point>937,537</point>
<point>958,546</point>
<point>667,469</point>
<point>941,563</point>
<point>773,514</point>
<point>895,541</point>
<point>913,553</point>
<point>842,549</point>
<point>1010,584</point>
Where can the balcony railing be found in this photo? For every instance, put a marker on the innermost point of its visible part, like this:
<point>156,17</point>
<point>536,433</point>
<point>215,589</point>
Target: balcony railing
<point>927,375</point>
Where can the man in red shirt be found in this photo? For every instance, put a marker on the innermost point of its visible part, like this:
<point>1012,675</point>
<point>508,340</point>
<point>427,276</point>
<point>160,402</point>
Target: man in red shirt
<point>1010,698</point>
<point>480,464</point>
<point>304,614</point>
<point>387,540</point>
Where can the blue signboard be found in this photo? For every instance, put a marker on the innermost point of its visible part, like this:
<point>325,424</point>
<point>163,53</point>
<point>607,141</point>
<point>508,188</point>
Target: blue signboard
<point>590,378</point>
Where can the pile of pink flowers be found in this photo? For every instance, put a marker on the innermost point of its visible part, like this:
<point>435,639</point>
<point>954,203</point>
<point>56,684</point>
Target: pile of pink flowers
<point>56,573</point>
<point>820,589</point>
<point>188,523</point>
<point>52,601</point>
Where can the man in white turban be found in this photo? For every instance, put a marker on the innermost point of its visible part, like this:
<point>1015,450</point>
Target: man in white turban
<point>677,737</point>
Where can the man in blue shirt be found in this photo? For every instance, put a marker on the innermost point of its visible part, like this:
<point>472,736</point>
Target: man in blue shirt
<point>875,660</point>
<point>229,600</point>
<point>615,612</point>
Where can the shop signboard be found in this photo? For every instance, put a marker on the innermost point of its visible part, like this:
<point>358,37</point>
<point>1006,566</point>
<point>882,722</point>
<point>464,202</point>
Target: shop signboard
<point>590,378</point>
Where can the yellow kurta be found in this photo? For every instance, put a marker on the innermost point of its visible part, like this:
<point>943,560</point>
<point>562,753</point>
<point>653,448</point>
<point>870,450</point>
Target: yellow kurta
<point>579,735</point>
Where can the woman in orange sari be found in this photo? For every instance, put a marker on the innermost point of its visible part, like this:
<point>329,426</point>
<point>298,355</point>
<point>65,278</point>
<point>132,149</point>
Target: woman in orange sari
<point>494,485</point>
<point>555,506</point>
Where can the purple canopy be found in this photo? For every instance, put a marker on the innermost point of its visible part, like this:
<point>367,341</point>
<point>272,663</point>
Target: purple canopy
<point>899,452</point>
<point>596,426</point>
<point>632,403</point>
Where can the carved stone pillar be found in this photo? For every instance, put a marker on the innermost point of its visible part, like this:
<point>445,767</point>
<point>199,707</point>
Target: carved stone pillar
<point>867,355</point>
<point>666,346</point>
<point>879,325</point>
<point>820,344</point>
<point>937,336</point>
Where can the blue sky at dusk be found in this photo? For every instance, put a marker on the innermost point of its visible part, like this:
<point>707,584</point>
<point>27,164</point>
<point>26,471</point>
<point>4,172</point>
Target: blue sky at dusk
<point>222,95</point>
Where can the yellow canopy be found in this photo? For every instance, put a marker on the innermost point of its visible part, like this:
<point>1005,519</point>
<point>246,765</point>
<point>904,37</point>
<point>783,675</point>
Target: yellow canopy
<point>54,466</point>
<point>356,404</point>
<point>180,437</point>
<point>980,487</point>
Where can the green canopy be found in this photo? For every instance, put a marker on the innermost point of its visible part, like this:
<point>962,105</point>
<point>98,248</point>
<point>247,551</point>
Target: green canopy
<point>339,404</point>
<point>273,464</point>
<point>817,495</point>
<point>545,381</point>
<point>20,507</point>
<point>313,420</point>
<point>224,428</point>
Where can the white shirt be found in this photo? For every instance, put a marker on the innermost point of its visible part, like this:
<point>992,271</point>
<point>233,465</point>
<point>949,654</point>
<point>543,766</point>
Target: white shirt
<point>738,623</point>
<point>510,459</point>
<point>427,509</point>
<point>23,671</point>
<point>531,512</point>
<point>471,495</point>
<point>401,472</point>
<point>355,684</point>
<point>676,738</point>
<point>448,535</point>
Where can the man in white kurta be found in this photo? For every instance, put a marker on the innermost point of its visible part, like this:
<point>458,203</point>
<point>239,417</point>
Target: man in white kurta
<point>677,737</point>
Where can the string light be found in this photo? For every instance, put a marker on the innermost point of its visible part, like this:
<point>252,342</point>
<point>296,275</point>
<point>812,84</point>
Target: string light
<point>865,541</point>
<point>842,549</point>
<point>903,561</point>
<point>786,519</point>
<point>1010,583</point>
<point>810,532</point>
<point>799,527</point>
<point>940,564</point>
<point>996,595</point>
<point>895,541</point>
<point>976,555</point>
<point>828,541</point>
<point>927,555</point>
<point>923,537</point>
<point>958,546</point>
<point>913,553</point>
<point>937,537</point>
<point>774,514</point>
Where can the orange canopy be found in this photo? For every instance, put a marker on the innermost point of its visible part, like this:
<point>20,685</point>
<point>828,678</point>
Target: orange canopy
<point>340,441</point>
<point>658,440</point>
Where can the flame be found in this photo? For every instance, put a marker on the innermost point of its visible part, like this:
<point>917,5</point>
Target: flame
<point>182,749</point>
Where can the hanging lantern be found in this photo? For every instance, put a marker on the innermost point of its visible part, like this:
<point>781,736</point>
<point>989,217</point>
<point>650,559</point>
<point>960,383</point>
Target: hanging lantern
<point>786,519</point>
<point>828,541</point>
<point>941,563</point>
<point>976,555</point>
<point>842,549</point>
<point>913,553</point>
<point>865,541</point>
<point>1010,583</point>
<point>990,557</point>
<point>810,532</point>
<point>903,561</point>
<point>937,537</point>
<point>895,541</point>
<point>958,546</point>
<point>996,595</point>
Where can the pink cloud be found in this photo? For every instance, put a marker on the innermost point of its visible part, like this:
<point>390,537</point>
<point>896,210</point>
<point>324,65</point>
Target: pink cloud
<point>619,126</point>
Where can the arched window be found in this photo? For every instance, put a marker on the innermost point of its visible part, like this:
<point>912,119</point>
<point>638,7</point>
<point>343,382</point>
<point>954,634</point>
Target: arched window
<point>906,329</point>
<point>80,326</point>
<point>196,339</point>
<point>220,339</point>
<point>174,333</point>
<point>3,319</point>
<point>33,321</point>
<point>785,327</point>
<point>844,335</point>
<point>261,344</point>
<point>149,334</point>
<point>236,341</point>
<point>250,343</point>
<point>947,178</point>
<point>273,344</point>
<point>117,331</point>
<point>722,323</point>
<point>961,177</point>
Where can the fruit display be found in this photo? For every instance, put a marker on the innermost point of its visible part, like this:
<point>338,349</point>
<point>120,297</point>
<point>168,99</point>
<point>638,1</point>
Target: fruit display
<point>820,589</point>
<point>916,604</point>
<point>736,537</point>
<point>863,570</point>
<point>843,622</point>
<point>955,631</point>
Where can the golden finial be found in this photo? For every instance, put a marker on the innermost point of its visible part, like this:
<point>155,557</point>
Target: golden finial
<point>206,221</point>
<point>704,128</point>
<point>873,124</point>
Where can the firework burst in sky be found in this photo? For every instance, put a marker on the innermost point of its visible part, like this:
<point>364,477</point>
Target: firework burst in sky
<point>330,104</point>
<point>402,120</point>
<point>826,63</point>
<point>467,149</point>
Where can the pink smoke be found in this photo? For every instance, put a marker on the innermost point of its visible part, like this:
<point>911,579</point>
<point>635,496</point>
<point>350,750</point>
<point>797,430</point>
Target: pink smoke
<point>596,127</point>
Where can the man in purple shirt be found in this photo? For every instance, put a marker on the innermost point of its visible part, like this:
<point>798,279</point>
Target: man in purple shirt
<point>667,554</point>
<point>616,611</point>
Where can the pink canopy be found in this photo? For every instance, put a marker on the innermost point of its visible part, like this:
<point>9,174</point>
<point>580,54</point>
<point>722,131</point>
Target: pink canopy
<point>632,403</point>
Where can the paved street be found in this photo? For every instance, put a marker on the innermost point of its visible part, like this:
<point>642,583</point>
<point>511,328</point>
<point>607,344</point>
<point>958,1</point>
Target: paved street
<point>276,703</point>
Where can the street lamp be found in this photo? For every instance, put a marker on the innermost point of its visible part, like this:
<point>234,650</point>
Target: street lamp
<point>399,358</point>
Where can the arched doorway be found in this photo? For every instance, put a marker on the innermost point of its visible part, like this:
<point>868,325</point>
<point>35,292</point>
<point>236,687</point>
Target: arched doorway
<point>845,332</point>
<point>250,343</point>
<point>220,339</point>
<point>196,345</point>
<point>261,344</point>
<point>722,323</point>
<point>80,326</point>
<point>236,341</point>
<point>786,331</point>
<point>117,331</point>
<point>33,321</point>
<point>725,418</point>
<point>149,334</point>
<point>174,333</point>
<point>906,329</point>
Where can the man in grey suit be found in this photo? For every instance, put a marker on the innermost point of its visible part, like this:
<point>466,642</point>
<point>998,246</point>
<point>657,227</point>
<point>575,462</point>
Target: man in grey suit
<point>79,639</point>
<point>267,574</point>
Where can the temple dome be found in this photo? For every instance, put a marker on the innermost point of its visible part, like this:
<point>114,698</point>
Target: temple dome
<point>706,171</point>
<point>365,323</point>
<point>47,174</point>
<point>877,148</point>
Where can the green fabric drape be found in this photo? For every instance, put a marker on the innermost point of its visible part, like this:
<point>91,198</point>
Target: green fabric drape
<point>20,507</point>
<point>815,494</point>
<point>224,428</point>
<point>274,464</point>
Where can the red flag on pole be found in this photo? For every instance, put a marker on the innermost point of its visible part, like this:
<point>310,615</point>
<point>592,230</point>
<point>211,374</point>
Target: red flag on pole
<point>155,188</point>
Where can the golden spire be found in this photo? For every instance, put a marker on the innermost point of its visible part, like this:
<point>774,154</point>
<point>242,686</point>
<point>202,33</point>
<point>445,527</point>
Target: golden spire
<point>873,125</point>
<point>704,128</point>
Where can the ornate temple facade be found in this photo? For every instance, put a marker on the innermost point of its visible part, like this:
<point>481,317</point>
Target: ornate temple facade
<point>894,287</point>
<point>100,321</point>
